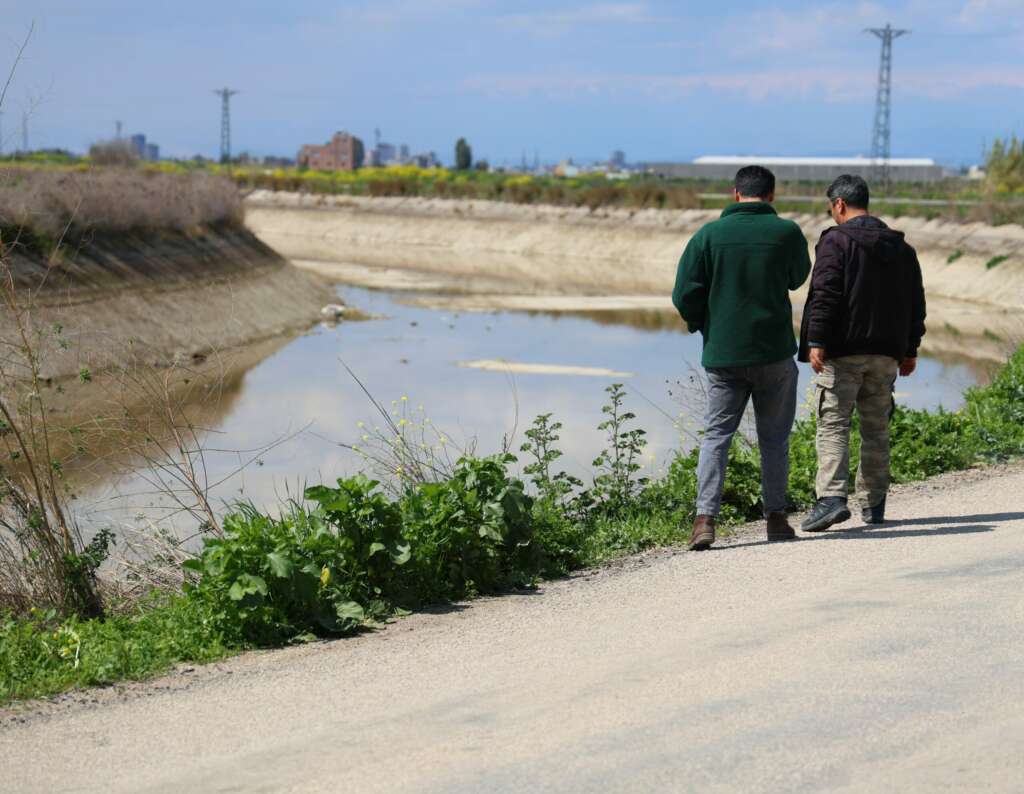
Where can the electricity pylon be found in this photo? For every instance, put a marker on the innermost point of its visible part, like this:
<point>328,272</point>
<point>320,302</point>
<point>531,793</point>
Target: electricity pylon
<point>225,95</point>
<point>881,136</point>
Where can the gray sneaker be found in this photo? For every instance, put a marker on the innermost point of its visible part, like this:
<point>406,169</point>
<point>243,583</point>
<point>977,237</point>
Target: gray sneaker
<point>826,512</point>
<point>874,515</point>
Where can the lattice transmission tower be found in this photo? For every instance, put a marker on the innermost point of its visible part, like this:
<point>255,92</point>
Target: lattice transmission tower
<point>881,136</point>
<point>225,95</point>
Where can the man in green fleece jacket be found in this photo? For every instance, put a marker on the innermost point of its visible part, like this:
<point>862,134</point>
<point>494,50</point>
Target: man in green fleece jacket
<point>733,286</point>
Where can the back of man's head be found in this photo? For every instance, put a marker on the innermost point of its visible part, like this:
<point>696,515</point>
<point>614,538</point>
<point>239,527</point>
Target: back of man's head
<point>755,182</point>
<point>851,189</point>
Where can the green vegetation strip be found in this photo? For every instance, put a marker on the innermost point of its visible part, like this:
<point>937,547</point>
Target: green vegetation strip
<point>351,556</point>
<point>997,200</point>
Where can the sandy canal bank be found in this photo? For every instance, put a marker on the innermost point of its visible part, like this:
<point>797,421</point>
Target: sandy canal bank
<point>160,299</point>
<point>489,255</point>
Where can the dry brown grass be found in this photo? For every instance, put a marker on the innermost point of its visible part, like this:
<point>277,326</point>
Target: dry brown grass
<point>50,203</point>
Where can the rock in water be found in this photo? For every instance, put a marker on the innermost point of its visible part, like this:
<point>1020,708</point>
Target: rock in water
<point>332,311</point>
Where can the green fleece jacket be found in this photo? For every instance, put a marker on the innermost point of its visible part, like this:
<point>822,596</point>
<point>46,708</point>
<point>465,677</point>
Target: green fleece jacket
<point>733,285</point>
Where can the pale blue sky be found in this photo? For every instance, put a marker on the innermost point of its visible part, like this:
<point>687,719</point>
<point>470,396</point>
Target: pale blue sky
<point>662,80</point>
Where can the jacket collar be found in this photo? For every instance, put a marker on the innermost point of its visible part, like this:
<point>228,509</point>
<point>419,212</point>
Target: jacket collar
<point>749,208</point>
<point>866,221</point>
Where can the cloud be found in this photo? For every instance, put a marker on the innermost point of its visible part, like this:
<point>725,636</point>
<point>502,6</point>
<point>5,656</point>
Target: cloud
<point>557,23</point>
<point>808,32</point>
<point>990,11</point>
<point>367,14</point>
<point>951,82</point>
<point>753,84</point>
<point>857,85</point>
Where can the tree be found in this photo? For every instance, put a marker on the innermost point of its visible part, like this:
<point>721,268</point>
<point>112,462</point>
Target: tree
<point>463,155</point>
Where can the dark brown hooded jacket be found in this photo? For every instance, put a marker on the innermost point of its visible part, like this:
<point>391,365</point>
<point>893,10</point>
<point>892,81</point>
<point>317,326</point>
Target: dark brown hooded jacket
<point>866,293</point>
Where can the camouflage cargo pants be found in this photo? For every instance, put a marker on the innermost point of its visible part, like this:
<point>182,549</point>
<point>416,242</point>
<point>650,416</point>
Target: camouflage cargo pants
<point>865,382</point>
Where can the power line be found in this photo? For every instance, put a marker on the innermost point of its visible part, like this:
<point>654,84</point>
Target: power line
<point>225,95</point>
<point>881,136</point>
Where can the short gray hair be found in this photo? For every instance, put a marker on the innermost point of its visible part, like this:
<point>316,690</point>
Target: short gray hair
<point>850,188</point>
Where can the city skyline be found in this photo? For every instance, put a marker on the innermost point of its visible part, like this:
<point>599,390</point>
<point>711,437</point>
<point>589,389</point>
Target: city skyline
<point>663,81</point>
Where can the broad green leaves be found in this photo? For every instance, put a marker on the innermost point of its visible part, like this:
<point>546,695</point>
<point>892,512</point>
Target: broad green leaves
<point>356,554</point>
<point>246,585</point>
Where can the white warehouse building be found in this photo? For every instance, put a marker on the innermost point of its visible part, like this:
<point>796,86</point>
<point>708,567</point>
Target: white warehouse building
<point>811,169</point>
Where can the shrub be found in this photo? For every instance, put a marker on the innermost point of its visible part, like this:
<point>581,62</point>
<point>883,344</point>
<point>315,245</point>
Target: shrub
<point>115,152</point>
<point>50,203</point>
<point>470,533</point>
<point>321,571</point>
<point>357,554</point>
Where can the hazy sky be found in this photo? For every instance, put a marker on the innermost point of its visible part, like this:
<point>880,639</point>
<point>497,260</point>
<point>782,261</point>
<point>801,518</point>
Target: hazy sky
<point>662,80</point>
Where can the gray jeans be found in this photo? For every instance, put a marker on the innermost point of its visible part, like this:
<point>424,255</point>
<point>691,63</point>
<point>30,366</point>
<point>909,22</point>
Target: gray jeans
<point>773,388</point>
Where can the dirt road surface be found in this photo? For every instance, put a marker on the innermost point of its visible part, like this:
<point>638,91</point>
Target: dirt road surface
<point>861,660</point>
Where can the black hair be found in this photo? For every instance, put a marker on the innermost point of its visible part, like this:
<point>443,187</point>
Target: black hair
<point>755,181</point>
<point>850,188</point>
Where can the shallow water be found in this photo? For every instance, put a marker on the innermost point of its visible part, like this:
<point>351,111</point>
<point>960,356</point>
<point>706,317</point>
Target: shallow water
<point>303,392</point>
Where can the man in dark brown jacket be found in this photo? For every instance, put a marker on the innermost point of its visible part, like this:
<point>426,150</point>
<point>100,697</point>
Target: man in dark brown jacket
<point>862,324</point>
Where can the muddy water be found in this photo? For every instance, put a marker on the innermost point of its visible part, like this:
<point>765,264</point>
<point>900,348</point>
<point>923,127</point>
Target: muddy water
<point>465,379</point>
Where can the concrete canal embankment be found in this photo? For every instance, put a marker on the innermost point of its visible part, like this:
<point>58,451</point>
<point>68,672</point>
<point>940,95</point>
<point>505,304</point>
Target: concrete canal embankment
<point>160,297</point>
<point>513,254</point>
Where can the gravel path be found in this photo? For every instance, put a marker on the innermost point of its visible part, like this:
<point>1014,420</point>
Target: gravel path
<point>860,660</point>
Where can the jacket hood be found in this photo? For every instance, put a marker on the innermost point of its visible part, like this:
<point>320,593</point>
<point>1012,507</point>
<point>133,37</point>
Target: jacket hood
<point>869,232</point>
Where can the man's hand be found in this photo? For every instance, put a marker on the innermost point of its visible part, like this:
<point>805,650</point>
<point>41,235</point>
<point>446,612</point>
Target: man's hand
<point>817,357</point>
<point>907,367</point>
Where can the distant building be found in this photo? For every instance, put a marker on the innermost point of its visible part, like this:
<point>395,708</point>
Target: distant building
<point>816,169</point>
<point>426,160</point>
<point>387,153</point>
<point>148,151</point>
<point>343,152</point>
<point>567,168</point>
<point>403,153</point>
<point>278,162</point>
<point>617,161</point>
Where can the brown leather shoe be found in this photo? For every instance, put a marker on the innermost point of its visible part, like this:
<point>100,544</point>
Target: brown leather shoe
<point>703,534</point>
<point>779,528</point>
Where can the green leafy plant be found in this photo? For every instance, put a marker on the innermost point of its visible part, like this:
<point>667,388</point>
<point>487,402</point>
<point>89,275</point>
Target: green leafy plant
<point>320,571</point>
<point>954,256</point>
<point>542,438</point>
<point>471,533</point>
<point>617,465</point>
<point>996,260</point>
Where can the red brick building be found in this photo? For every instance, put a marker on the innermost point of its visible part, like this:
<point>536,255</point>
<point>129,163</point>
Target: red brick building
<point>343,152</point>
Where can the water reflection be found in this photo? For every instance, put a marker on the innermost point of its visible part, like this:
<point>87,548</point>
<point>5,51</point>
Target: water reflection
<point>414,352</point>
